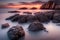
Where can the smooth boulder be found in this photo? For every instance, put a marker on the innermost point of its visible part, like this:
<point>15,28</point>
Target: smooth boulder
<point>36,26</point>
<point>6,25</point>
<point>16,32</point>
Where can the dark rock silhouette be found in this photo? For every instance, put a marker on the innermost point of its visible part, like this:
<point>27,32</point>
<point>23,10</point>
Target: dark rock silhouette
<point>33,8</point>
<point>36,26</point>
<point>27,13</point>
<point>48,5</point>
<point>57,7</point>
<point>16,32</point>
<point>13,12</point>
<point>23,8</point>
<point>6,25</point>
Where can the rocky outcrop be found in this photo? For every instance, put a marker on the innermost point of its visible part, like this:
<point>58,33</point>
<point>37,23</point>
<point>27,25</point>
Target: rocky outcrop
<point>48,5</point>
<point>36,26</point>
<point>16,32</point>
<point>6,25</point>
<point>42,17</point>
<point>56,18</point>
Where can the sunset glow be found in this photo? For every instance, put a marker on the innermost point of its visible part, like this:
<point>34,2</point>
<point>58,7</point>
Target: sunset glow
<point>27,6</point>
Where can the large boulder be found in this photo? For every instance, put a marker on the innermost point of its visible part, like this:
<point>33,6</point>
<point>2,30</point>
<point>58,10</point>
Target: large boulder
<point>56,18</point>
<point>36,26</point>
<point>16,32</point>
<point>6,25</point>
<point>44,17</point>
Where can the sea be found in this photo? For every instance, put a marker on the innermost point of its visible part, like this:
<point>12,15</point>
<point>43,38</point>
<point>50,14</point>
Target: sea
<point>52,28</point>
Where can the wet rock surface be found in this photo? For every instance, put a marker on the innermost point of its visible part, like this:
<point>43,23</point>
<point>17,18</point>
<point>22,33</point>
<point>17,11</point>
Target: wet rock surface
<point>56,18</point>
<point>36,26</point>
<point>16,32</point>
<point>6,25</point>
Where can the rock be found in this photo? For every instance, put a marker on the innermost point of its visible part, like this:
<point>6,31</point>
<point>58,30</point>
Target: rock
<point>31,18</point>
<point>13,12</point>
<point>48,5</point>
<point>37,13</point>
<point>16,32</point>
<point>27,13</point>
<point>23,8</point>
<point>57,7</point>
<point>36,26</point>
<point>23,19</point>
<point>56,18</point>
<point>33,8</point>
<point>49,14</point>
<point>44,17</point>
<point>11,17</point>
<point>6,25</point>
<point>16,18</point>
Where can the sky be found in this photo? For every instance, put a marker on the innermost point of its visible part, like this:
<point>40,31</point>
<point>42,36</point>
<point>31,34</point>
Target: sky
<point>15,1</point>
<point>20,0</point>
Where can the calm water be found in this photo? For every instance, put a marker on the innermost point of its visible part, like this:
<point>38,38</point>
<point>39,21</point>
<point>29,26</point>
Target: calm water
<point>52,28</point>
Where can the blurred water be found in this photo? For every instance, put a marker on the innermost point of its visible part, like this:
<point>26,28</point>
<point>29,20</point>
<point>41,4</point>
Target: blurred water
<point>52,28</point>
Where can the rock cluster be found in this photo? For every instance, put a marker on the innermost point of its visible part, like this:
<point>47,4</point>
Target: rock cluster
<point>16,32</point>
<point>42,17</point>
<point>36,20</point>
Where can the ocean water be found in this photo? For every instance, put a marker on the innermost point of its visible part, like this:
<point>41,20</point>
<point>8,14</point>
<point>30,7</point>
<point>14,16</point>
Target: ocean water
<point>52,28</point>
